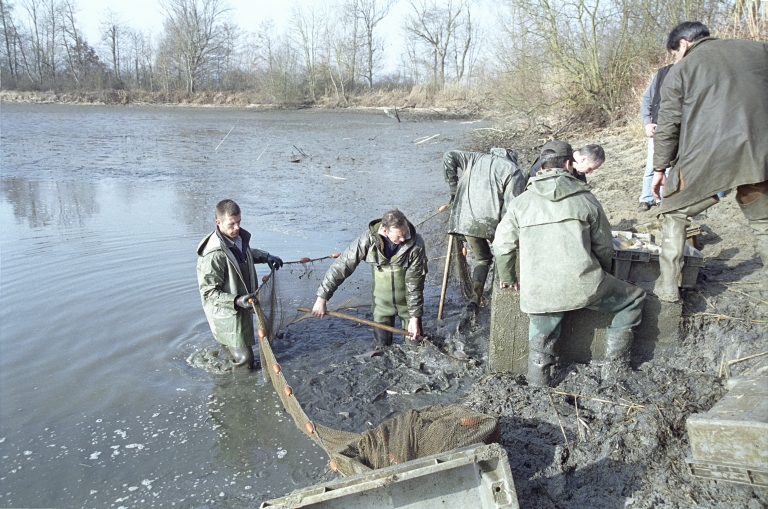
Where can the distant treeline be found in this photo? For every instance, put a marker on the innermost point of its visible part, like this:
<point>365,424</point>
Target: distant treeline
<point>571,56</point>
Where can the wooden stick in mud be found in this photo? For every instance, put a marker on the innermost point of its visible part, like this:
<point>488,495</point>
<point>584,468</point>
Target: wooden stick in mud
<point>445,277</point>
<point>381,326</point>
<point>747,358</point>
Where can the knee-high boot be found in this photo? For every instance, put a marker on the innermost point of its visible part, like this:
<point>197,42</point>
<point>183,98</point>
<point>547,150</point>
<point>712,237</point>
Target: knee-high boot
<point>541,358</point>
<point>671,258</point>
<point>617,347</point>
<point>757,214</point>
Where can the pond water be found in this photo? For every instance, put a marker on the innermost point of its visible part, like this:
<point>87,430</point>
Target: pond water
<point>101,210</point>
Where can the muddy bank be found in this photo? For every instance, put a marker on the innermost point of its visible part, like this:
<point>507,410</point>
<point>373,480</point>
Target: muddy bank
<point>397,104</point>
<point>579,452</point>
<point>582,443</point>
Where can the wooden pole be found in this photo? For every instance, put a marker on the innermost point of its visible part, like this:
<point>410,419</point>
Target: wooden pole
<point>381,326</point>
<point>445,277</point>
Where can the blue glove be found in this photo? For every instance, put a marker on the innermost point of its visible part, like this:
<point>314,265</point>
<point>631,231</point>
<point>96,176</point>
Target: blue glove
<point>274,262</point>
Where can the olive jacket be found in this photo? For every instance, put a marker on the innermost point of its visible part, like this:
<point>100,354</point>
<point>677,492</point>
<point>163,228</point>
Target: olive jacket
<point>488,183</point>
<point>713,121</point>
<point>369,247</point>
<point>221,280</point>
<point>564,241</point>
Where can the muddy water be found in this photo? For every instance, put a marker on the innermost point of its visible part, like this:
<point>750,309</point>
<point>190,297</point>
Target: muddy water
<point>101,210</point>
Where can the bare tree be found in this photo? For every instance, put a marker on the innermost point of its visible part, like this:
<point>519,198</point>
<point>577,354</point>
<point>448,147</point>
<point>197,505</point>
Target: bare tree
<point>306,27</point>
<point>115,35</point>
<point>435,25</point>
<point>10,38</point>
<point>193,34</point>
<point>370,13</point>
<point>340,46</point>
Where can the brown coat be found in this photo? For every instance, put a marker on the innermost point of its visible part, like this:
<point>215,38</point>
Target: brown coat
<point>713,121</point>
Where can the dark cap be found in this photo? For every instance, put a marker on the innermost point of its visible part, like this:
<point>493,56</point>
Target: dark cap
<point>561,148</point>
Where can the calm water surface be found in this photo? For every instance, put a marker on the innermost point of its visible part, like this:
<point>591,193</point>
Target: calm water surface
<point>101,209</point>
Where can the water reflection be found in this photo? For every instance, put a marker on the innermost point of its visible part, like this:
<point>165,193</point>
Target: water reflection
<point>59,204</point>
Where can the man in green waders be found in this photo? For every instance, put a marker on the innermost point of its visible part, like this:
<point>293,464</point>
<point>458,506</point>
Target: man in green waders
<point>399,264</point>
<point>227,280</point>
<point>479,197</point>
<point>565,245</point>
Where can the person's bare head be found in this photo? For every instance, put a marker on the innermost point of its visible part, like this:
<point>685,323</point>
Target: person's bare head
<point>683,35</point>
<point>395,226</point>
<point>227,214</point>
<point>588,158</point>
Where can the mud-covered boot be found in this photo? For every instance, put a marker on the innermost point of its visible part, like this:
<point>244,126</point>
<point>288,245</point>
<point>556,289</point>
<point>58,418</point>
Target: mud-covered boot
<point>539,369</point>
<point>243,356</point>
<point>617,347</point>
<point>671,258</point>
<point>757,214</point>
<point>541,357</point>
<point>479,275</point>
<point>381,338</point>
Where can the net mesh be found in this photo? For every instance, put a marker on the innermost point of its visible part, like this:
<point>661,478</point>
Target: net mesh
<point>413,434</point>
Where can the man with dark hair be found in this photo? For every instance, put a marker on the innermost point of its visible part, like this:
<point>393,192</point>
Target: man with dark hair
<point>565,245</point>
<point>583,162</point>
<point>227,280</point>
<point>399,265</point>
<point>713,132</point>
<point>487,184</point>
<point>649,109</point>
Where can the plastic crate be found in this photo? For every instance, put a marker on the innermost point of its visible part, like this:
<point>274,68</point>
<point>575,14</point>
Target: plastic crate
<point>476,476</point>
<point>640,265</point>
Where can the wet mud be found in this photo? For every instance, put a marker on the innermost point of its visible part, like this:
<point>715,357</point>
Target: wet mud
<point>583,443</point>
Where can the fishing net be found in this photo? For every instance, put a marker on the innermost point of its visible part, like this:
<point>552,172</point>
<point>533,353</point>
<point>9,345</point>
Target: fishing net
<point>414,434</point>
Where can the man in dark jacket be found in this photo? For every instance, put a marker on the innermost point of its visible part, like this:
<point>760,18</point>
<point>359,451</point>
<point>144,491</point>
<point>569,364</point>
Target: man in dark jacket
<point>479,196</point>
<point>713,132</point>
<point>227,281</point>
<point>399,265</point>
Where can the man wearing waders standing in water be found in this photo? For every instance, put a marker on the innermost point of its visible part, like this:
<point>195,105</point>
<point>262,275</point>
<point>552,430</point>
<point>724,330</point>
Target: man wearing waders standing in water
<point>227,280</point>
<point>399,264</point>
<point>565,245</point>
<point>479,197</point>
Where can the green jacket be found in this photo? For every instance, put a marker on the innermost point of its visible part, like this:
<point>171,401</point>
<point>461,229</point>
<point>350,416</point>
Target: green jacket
<point>221,281</point>
<point>487,185</point>
<point>713,121</point>
<point>565,244</point>
<point>369,247</point>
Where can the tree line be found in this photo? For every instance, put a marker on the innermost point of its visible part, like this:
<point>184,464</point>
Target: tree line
<point>530,55</point>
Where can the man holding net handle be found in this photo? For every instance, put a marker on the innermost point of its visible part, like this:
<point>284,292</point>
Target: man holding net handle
<point>227,280</point>
<point>399,264</point>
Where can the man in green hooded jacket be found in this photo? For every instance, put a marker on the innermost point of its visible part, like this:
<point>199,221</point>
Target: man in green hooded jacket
<point>566,247</point>
<point>713,132</point>
<point>227,280</point>
<point>399,265</point>
<point>479,197</point>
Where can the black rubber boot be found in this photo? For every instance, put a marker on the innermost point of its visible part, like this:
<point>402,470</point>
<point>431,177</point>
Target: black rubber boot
<point>617,347</point>
<point>243,356</point>
<point>479,275</point>
<point>381,338</point>
<point>541,358</point>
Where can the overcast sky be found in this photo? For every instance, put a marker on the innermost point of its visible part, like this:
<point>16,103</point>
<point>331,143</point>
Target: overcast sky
<point>247,14</point>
